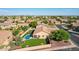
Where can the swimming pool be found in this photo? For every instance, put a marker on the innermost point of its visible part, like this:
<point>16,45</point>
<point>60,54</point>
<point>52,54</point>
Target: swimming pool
<point>28,36</point>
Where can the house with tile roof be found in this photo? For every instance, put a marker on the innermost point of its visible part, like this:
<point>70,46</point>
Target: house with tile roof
<point>53,21</point>
<point>7,24</point>
<point>5,37</point>
<point>43,31</point>
<point>76,23</point>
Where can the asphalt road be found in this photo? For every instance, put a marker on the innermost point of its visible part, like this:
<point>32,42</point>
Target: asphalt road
<point>69,49</point>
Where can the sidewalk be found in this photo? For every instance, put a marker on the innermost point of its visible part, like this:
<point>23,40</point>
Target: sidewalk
<point>73,31</point>
<point>52,49</point>
<point>34,48</point>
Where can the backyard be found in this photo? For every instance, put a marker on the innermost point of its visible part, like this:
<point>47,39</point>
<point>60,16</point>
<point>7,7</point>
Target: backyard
<point>28,43</point>
<point>35,42</point>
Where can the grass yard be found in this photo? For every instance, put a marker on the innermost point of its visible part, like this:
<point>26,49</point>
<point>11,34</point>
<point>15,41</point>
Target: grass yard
<point>35,42</point>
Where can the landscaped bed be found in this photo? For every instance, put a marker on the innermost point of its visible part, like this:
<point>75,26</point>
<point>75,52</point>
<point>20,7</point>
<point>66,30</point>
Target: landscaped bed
<point>29,43</point>
<point>60,43</point>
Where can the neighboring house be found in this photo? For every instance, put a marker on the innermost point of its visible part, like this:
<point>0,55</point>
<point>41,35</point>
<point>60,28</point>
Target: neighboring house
<point>42,31</point>
<point>29,21</point>
<point>7,24</point>
<point>21,21</point>
<point>76,23</point>
<point>23,24</point>
<point>64,21</point>
<point>53,21</point>
<point>17,18</point>
<point>5,37</point>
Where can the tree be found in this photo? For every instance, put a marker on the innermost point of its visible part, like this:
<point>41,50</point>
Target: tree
<point>22,17</point>
<point>58,18</point>
<point>33,24</point>
<point>15,32</point>
<point>5,18</point>
<point>23,45</point>
<point>1,17</point>
<point>14,17</point>
<point>18,42</point>
<point>45,21</point>
<point>24,28</point>
<point>59,35</point>
<point>29,17</point>
<point>71,20</point>
<point>0,28</point>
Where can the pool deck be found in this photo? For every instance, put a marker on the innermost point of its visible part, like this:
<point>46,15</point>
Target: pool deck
<point>25,32</point>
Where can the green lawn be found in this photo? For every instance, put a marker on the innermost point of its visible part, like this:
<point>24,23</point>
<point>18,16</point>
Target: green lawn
<point>35,42</point>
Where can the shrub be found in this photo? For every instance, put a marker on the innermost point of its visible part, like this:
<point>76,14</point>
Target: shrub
<point>15,32</point>
<point>23,45</point>
<point>45,21</point>
<point>18,42</point>
<point>59,35</point>
<point>2,46</point>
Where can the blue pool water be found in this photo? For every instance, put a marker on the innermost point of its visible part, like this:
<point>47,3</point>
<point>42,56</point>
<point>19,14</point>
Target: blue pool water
<point>28,36</point>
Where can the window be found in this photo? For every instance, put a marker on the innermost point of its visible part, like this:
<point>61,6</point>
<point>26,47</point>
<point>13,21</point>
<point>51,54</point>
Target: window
<point>35,36</point>
<point>38,35</point>
<point>42,35</point>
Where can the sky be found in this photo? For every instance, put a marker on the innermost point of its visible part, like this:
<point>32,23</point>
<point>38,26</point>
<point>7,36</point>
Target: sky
<point>40,11</point>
